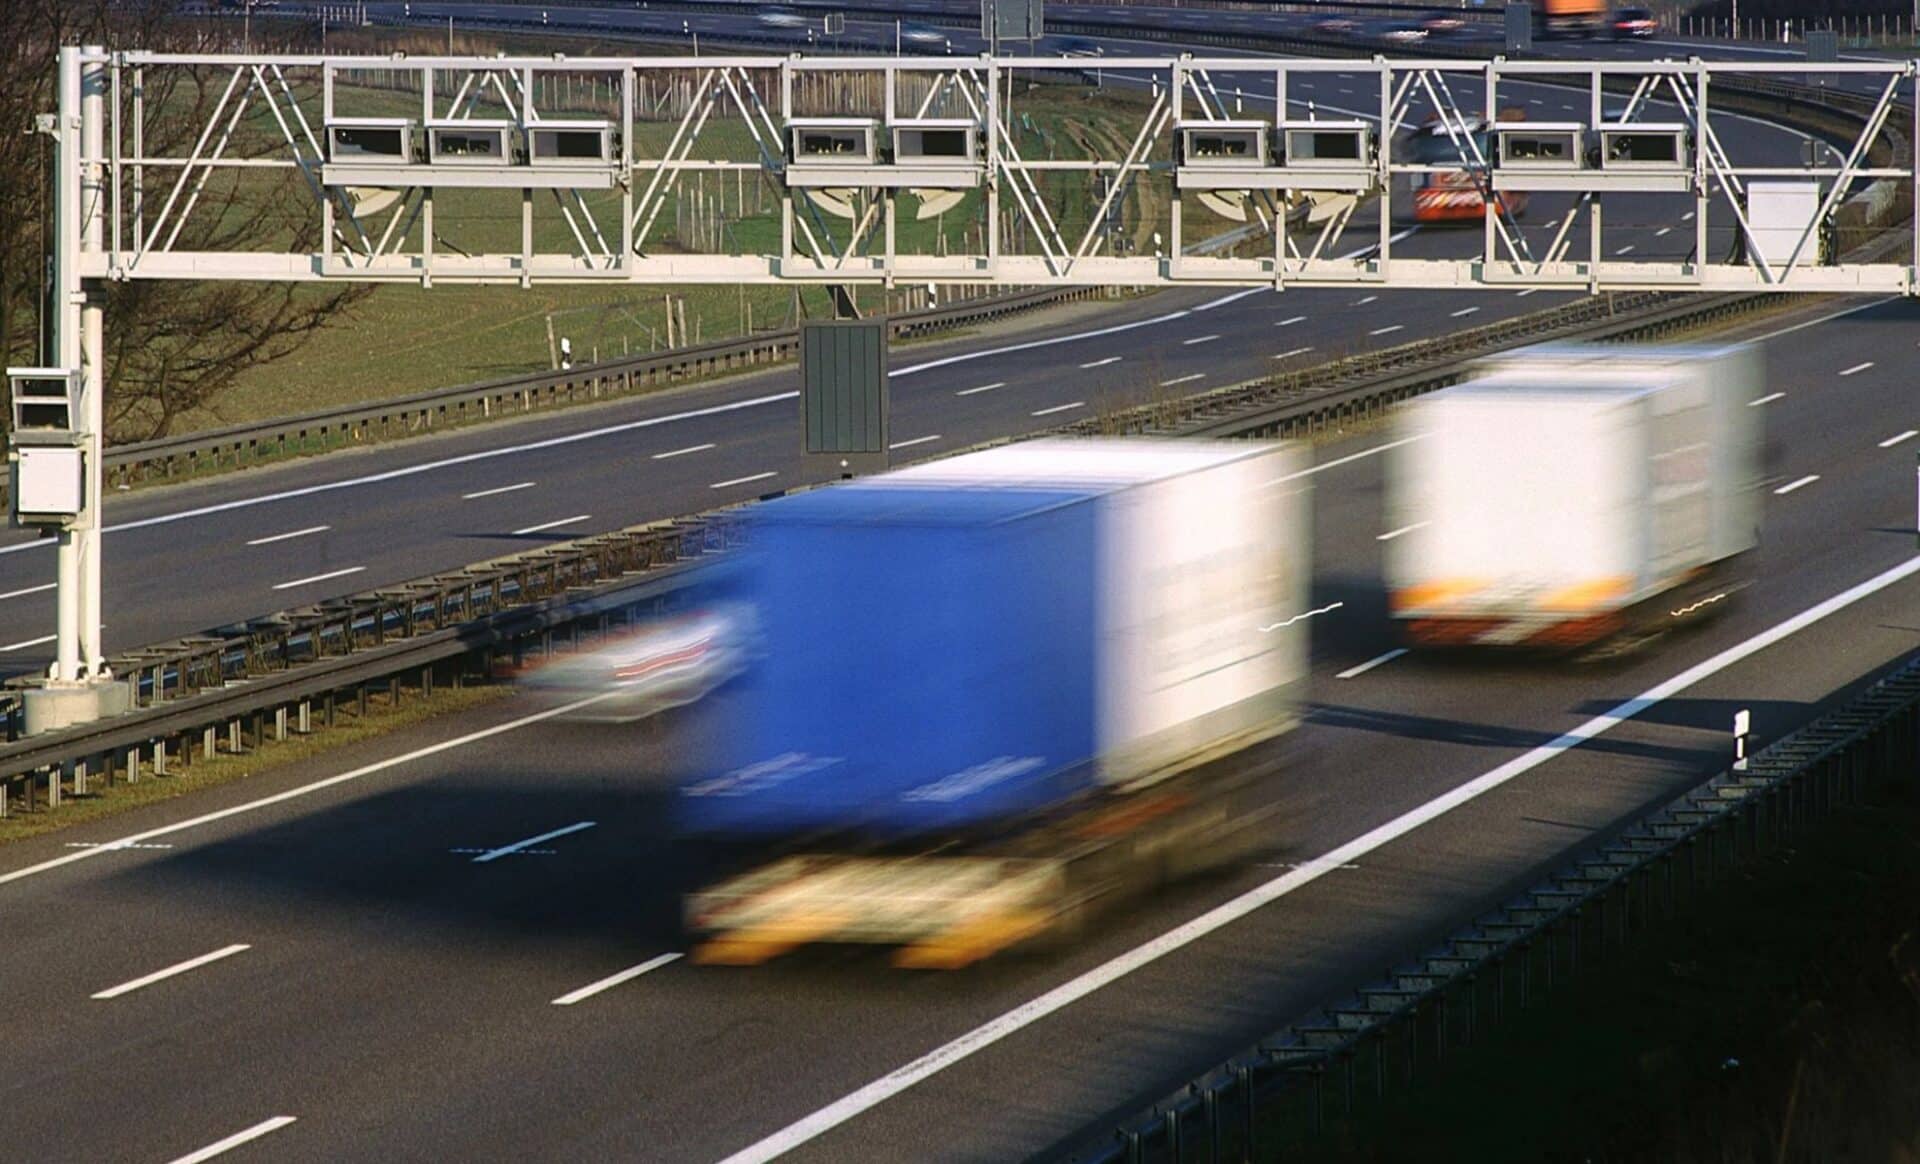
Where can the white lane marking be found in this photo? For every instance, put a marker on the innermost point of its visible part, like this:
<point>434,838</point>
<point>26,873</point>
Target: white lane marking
<point>547,525</point>
<point>742,480</point>
<point>1687,217</point>
<point>1857,368</point>
<point>169,972</point>
<point>682,452</point>
<point>262,1128</point>
<point>1898,437</point>
<point>109,845</point>
<point>1769,398</point>
<point>1527,292</point>
<point>982,388</point>
<point>299,533</point>
<point>1362,302</point>
<point>1625,250</point>
<point>1389,330</point>
<point>963,357</point>
<point>1370,664</point>
<point>1060,408</point>
<point>1235,297</point>
<point>23,643</point>
<point>915,441</point>
<point>1792,485</point>
<point>1101,363</point>
<point>1465,311</point>
<point>1346,460</point>
<point>813,1126</point>
<point>1183,379</point>
<point>1200,339</point>
<point>1290,321</point>
<point>530,842</point>
<point>469,850</point>
<point>426,467</point>
<point>1292,352</point>
<point>377,766</point>
<point>331,574</point>
<point>28,590</point>
<point>1663,232</point>
<point>613,980</point>
<point>1394,533</point>
<point>495,492</point>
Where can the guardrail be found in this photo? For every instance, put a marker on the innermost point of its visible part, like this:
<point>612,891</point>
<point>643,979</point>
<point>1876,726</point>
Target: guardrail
<point>1293,1090</point>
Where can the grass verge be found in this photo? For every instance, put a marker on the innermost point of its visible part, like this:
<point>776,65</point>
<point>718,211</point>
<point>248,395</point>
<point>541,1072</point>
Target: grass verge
<point>349,728</point>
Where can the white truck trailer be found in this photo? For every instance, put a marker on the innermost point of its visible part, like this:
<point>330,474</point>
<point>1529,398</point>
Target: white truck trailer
<point>1572,496</point>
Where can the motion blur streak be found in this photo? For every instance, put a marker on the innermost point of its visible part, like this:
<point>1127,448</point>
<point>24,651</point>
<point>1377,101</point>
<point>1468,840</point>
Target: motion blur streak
<point>940,1058</point>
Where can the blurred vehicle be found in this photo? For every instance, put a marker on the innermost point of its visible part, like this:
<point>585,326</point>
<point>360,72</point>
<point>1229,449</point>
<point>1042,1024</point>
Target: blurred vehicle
<point>1442,23</point>
<point>1401,33</point>
<point>661,665</point>
<point>1562,18</point>
<point>922,34</point>
<point>1634,22</point>
<point>1571,497</point>
<point>1080,46</point>
<point>781,18</point>
<point>1000,690</point>
<point>1451,193</point>
<point>1337,26</point>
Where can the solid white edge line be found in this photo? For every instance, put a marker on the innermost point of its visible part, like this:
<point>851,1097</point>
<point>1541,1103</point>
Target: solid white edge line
<point>299,533</point>
<point>613,980</point>
<point>24,643</point>
<point>28,590</point>
<point>1370,664</point>
<point>963,357</point>
<point>682,452</point>
<point>1394,533</point>
<point>1769,398</point>
<point>743,480</point>
<point>331,574</point>
<point>547,525</point>
<point>477,494</point>
<point>170,971</point>
<point>981,1037</point>
<point>495,854</point>
<point>236,1139</point>
<point>307,789</point>
<point>915,441</point>
<point>1789,487</point>
<point>1898,437</point>
<point>425,467</point>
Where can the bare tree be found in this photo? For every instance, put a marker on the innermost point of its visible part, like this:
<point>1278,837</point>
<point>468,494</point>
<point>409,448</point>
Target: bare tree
<point>172,348</point>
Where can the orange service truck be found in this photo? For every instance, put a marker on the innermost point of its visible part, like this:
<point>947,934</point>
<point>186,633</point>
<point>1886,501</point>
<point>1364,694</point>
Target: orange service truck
<point>1569,17</point>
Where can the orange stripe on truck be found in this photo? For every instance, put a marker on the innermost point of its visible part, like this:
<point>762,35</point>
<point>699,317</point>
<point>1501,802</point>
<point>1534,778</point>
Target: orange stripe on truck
<point>1443,592</point>
<point>1586,597</point>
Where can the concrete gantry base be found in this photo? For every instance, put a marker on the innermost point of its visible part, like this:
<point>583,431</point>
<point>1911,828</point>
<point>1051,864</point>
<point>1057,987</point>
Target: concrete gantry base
<point>59,705</point>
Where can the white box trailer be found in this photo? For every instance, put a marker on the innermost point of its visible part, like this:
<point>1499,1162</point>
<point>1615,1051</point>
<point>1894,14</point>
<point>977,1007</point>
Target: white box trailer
<point>1570,494</point>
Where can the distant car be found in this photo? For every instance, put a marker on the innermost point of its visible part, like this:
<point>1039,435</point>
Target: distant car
<point>662,665</point>
<point>922,34</point>
<point>1337,26</point>
<point>1442,24</point>
<point>1634,22</point>
<point>1402,33</point>
<point>781,18</point>
<point>1080,46</point>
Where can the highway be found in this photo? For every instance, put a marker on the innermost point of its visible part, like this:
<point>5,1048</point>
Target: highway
<point>182,560</point>
<point>397,996</point>
<point>369,952</point>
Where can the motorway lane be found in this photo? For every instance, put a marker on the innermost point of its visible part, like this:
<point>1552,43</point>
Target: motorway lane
<point>397,996</point>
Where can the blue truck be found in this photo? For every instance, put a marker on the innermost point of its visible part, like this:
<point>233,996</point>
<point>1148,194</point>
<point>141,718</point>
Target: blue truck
<point>990,690</point>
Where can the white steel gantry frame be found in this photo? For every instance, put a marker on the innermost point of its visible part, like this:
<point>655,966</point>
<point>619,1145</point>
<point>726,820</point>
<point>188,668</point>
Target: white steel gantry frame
<point>122,209</point>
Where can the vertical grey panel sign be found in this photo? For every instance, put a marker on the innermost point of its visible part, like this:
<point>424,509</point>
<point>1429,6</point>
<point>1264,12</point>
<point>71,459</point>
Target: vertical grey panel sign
<point>1019,19</point>
<point>1823,47</point>
<point>843,390</point>
<point>1519,28</point>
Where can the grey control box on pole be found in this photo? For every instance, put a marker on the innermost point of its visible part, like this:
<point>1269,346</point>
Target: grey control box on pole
<point>1017,20</point>
<point>843,394</point>
<point>1519,28</point>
